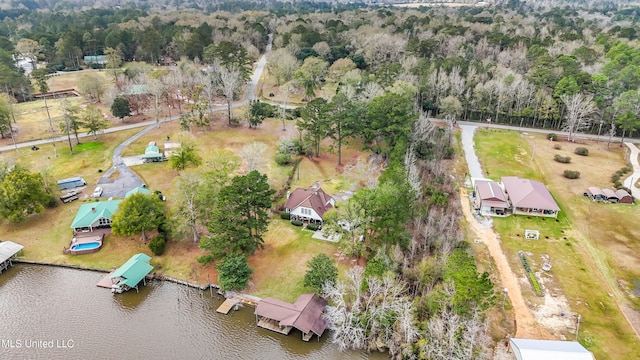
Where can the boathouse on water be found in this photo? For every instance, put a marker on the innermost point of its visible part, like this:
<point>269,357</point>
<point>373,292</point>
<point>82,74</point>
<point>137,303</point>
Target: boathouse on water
<point>8,251</point>
<point>305,314</point>
<point>131,273</point>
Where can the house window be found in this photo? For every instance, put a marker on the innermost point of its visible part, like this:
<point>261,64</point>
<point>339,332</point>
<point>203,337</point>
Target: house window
<point>305,211</point>
<point>103,221</point>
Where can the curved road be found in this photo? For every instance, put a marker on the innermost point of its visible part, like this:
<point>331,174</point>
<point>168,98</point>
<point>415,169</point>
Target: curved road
<point>128,179</point>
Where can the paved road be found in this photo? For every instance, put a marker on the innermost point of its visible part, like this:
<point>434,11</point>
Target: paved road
<point>128,179</point>
<point>629,182</point>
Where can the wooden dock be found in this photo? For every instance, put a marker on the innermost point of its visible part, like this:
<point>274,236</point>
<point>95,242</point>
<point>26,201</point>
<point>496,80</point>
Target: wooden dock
<point>227,305</point>
<point>106,281</point>
<point>272,325</point>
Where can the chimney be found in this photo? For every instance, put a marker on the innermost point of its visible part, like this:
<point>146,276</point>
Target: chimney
<point>288,194</point>
<point>93,209</point>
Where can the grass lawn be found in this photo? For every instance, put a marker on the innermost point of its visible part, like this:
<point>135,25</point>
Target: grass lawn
<point>279,269</point>
<point>592,247</point>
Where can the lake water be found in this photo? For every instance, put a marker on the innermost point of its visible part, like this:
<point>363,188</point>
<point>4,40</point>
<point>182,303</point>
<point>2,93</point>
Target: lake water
<point>56,313</point>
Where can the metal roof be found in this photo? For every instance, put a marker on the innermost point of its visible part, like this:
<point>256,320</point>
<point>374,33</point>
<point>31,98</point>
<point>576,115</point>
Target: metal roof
<point>134,270</point>
<point>530,349</point>
<point>136,190</point>
<point>530,194</point>
<point>8,249</point>
<point>89,214</point>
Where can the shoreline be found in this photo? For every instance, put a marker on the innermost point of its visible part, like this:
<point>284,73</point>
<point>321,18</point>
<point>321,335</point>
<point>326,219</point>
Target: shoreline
<point>151,276</point>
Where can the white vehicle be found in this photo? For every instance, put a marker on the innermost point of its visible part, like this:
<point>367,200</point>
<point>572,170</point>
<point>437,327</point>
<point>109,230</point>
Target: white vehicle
<point>97,192</point>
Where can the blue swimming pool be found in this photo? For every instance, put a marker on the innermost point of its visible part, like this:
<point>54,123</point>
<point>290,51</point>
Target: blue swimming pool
<point>86,246</point>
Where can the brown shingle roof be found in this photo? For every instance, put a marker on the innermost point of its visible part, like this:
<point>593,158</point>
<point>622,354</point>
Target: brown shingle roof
<point>490,193</point>
<point>318,200</point>
<point>529,194</point>
<point>305,314</point>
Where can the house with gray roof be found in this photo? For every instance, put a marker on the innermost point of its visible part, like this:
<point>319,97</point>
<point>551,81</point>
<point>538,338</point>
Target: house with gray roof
<point>529,197</point>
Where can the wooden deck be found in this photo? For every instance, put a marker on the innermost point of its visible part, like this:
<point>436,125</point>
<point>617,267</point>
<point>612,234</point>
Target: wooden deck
<point>272,325</point>
<point>227,305</point>
<point>106,281</point>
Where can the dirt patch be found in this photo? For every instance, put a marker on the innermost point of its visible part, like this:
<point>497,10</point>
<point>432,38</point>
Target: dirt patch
<point>526,324</point>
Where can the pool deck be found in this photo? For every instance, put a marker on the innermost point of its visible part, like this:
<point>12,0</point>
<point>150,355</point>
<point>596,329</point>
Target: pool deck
<point>106,281</point>
<point>84,238</point>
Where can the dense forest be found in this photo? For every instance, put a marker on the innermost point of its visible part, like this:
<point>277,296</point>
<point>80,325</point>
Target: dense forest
<point>559,65</point>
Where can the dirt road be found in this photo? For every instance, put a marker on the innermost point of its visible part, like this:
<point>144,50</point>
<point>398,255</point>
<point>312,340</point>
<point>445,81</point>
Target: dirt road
<point>526,325</point>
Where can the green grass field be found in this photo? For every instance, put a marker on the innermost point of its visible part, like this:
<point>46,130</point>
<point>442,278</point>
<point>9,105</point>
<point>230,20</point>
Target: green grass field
<point>586,264</point>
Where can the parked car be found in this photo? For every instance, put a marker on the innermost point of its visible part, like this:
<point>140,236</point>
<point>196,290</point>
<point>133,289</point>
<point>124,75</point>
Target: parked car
<point>97,192</point>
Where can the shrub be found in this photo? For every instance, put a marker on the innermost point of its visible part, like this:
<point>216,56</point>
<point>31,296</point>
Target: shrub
<point>283,158</point>
<point>557,146</point>
<point>157,244</point>
<point>296,222</point>
<point>313,227</point>
<point>582,151</point>
<point>285,215</point>
<point>571,174</point>
<point>562,159</point>
<point>552,137</point>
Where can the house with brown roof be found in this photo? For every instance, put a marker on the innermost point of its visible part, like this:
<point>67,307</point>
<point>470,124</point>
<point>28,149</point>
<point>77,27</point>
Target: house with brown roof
<point>529,197</point>
<point>489,199</point>
<point>308,204</point>
<point>305,314</point>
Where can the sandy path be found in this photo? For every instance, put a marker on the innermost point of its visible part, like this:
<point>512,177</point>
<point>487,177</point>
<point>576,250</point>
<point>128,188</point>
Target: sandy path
<point>526,325</point>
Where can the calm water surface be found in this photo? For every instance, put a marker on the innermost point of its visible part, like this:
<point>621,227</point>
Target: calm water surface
<point>55,313</point>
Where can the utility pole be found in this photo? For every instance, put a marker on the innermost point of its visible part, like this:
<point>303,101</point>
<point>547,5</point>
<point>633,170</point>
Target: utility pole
<point>578,327</point>
<point>53,142</point>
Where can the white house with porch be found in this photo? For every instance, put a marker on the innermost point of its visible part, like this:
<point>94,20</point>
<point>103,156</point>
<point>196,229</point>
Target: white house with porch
<point>308,204</point>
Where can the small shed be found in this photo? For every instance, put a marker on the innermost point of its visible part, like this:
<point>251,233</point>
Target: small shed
<point>530,349</point>
<point>595,193</point>
<point>170,148</point>
<point>71,183</point>
<point>624,197</point>
<point>8,251</point>
<point>131,273</point>
<point>610,195</point>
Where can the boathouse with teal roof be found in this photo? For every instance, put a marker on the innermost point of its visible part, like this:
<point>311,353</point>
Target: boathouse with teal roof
<point>95,215</point>
<point>131,273</point>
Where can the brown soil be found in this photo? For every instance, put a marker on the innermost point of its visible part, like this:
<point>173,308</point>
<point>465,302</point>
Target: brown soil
<point>526,324</point>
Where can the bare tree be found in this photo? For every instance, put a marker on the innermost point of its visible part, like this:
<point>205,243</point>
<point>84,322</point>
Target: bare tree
<point>230,79</point>
<point>188,209</point>
<point>578,115</point>
<point>253,155</point>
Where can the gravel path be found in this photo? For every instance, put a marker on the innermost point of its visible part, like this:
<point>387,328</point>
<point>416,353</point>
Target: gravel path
<point>475,170</point>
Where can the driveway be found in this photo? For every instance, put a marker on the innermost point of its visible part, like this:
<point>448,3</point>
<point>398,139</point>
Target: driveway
<point>475,170</point>
<point>629,182</point>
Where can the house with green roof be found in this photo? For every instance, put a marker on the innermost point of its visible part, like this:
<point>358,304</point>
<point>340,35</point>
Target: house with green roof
<point>137,190</point>
<point>131,273</point>
<point>95,215</point>
<point>95,59</point>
